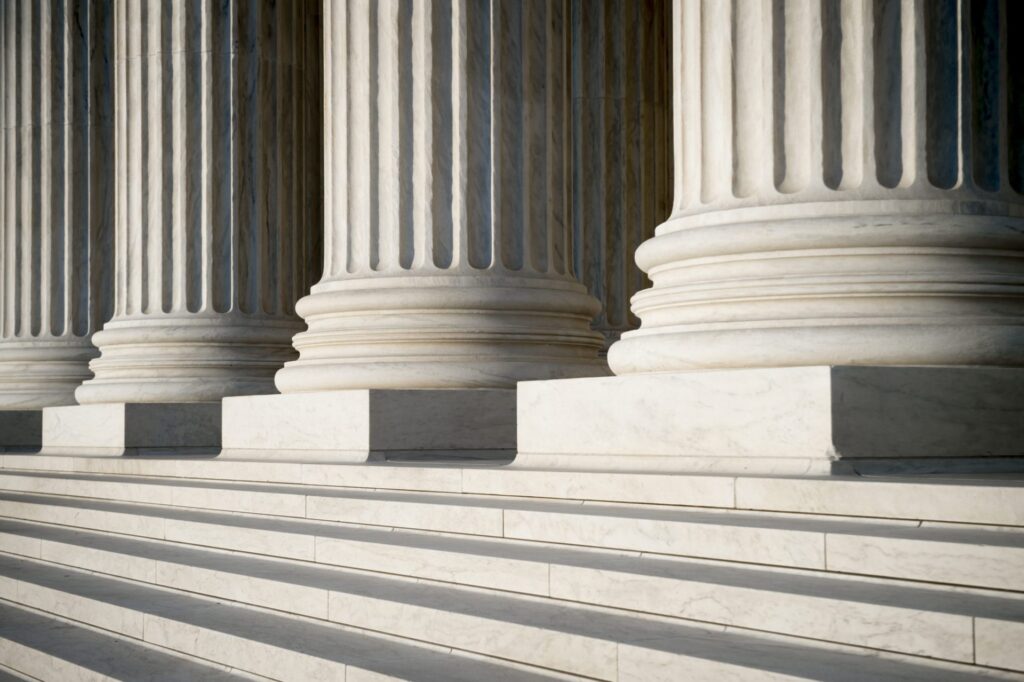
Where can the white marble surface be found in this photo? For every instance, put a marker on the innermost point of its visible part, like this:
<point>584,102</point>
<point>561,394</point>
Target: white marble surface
<point>54,650</point>
<point>771,419</point>
<point>56,196</point>
<point>218,193</point>
<point>998,643</point>
<point>120,428</point>
<point>356,425</point>
<point>448,203</point>
<point>849,611</point>
<point>993,500</point>
<point>997,566</point>
<point>830,205</point>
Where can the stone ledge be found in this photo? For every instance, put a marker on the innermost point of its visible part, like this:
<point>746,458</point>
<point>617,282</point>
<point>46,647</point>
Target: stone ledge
<point>117,429</point>
<point>795,420</point>
<point>364,424</point>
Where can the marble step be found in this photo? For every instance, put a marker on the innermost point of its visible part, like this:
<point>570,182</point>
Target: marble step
<point>961,555</point>
<point>953,626</point>
<point>41,647</point>
<point>11,676</point>
<point>288,648</point>
<point>958,499</point>
<point>246,639</point>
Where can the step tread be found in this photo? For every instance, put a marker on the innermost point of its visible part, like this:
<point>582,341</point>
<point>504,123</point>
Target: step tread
<point>108,655</point>
<point>322,641</point>
<point>724,647</point>
<point>333,578</point>
<point>730,518</point>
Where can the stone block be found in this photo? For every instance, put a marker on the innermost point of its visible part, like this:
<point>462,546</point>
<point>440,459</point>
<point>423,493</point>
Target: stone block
<point>369,424</point>
<point>794,420</point>
<point>132,429</point>
<point>20,430</point>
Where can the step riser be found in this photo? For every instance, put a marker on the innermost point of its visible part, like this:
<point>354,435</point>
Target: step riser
<point>258,658</point>
<point>936,635</point>
<point>53,649</point>
<point>43,666</point>
<point>900,499</point>
<point>278,663</point>
<point>997,567</point>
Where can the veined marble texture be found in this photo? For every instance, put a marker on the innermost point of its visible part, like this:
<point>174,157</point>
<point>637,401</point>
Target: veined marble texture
<point>621,146</point>
<point>218,184</point>
<point>56,198</point>
<point>447,176</point>
<point>848,189</point>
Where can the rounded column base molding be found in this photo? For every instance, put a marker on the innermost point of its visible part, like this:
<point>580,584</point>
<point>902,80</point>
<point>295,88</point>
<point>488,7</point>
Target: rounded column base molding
<point>846,283</point>
<point>167,359</point>
<point>818,343</point>
<point>42,372</point>
<point>474,331</point>
<point>877,286</point>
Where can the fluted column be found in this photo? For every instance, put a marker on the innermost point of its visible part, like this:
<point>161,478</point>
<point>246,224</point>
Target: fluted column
<point>56,209</point>
<point>447,201</point>
<point>217,165</point>
<point>621,146</point>
<point>847,189</point>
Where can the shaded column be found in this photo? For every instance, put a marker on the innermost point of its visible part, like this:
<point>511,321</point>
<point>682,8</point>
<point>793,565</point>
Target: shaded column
<point>56,203</point>
<point>447,201</point>
<point>621,146</point>
<point>218,197</point>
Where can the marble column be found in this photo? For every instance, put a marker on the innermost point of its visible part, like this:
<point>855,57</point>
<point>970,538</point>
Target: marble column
<point>218,204</point>
<point>447,201</point>
<point>56,209</point>
<point>845,256</point>
<point>621,147</point>
<point>447,246</point>
<point>848,189</point>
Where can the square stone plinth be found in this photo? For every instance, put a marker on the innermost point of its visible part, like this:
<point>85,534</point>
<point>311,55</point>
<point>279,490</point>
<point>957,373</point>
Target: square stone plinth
<point>810,420</point>
<point>21,430</point>
<point>132,429</point>
<point>372,424</point>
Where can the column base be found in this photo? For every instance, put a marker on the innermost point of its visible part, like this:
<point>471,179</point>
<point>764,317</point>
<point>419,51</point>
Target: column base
<point>116,429</point>
<point>21,430</point>
<point>362,425</point>
<point>794,420</point>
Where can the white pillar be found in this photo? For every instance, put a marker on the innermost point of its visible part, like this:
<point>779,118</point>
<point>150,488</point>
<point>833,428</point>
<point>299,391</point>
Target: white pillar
<point>848,208</point>
<point>621,147</point>
<point>447,201</point>
<point>447,272</point>
<point>848,190</point>
<point>217,205</point>
<point>56,211</point>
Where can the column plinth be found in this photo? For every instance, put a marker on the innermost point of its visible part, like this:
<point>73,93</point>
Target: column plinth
<point>56,214</point>
<point>217,218</point>
<point>848,202</point>
<point>447,211</point>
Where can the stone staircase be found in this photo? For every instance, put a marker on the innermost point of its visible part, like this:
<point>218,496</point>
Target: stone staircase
<point>196,569</point>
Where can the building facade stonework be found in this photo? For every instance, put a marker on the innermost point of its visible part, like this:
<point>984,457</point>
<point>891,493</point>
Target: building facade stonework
<point>511,340</point>
<point>449,196</point>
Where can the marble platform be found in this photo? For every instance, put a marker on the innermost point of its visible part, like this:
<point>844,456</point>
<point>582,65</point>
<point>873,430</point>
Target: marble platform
<point>117,429</point>
<point>364,424</point>
<point>812,420</point>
